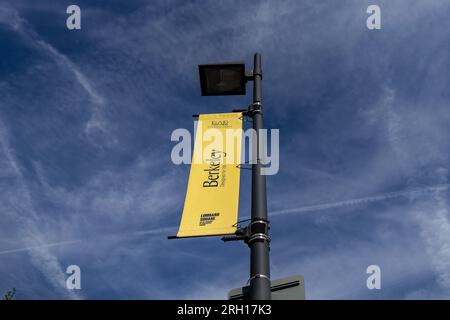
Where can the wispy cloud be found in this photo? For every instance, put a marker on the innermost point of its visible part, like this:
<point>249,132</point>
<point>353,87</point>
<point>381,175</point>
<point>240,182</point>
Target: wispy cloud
<point>434,222</point>
<point>12,18</point>
<point>96,124</point>
<point>18,202</point>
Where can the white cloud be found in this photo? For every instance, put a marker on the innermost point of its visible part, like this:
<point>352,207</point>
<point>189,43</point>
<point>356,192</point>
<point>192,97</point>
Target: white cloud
<point>433,219</point>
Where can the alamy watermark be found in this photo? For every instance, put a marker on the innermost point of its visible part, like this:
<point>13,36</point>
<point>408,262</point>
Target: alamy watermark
<point>73,21</point>
<point>73,282</point>
<point>374,280</point>
<point>226,142</point>
<point>373,22</point>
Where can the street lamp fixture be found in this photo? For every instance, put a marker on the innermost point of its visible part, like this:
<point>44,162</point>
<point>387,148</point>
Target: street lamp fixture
<point>222,79</point>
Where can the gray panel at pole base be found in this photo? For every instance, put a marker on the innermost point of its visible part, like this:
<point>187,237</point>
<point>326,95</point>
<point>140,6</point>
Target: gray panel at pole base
<point>290,288</point>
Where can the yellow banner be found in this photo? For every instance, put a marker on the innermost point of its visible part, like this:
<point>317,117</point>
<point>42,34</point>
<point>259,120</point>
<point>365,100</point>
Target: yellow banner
<point>212,197</point>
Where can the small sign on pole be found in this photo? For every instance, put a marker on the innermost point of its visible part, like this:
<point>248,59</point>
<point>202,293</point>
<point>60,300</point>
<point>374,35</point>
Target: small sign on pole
<point>290,288</point>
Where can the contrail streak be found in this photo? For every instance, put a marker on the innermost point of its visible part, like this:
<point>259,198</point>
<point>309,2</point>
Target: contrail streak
<point>156,231</point>
<point>318,207</point>
<point>351,202</point>
<point>48,245</point>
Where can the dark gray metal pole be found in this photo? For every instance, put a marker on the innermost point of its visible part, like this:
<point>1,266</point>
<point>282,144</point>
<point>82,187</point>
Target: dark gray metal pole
<point>259,226</point>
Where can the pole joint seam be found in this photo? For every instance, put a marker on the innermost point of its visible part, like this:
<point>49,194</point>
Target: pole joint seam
<point>257,72</point>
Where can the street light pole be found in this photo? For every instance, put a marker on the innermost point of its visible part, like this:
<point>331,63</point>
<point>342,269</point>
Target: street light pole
<point>230,79</point>
<point>259,226</point>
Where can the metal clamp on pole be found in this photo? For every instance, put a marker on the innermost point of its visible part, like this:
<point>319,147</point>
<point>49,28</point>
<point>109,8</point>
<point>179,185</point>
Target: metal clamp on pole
<point>254,108</point>
<point>258,237</point>
<point>257,276</point>
<point>259,226</point>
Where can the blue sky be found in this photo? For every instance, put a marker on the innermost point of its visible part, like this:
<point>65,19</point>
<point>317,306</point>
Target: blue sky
<point>85,123</point>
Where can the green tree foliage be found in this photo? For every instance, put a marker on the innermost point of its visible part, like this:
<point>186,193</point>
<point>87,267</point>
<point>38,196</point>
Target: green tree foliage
<point>10,294</point>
